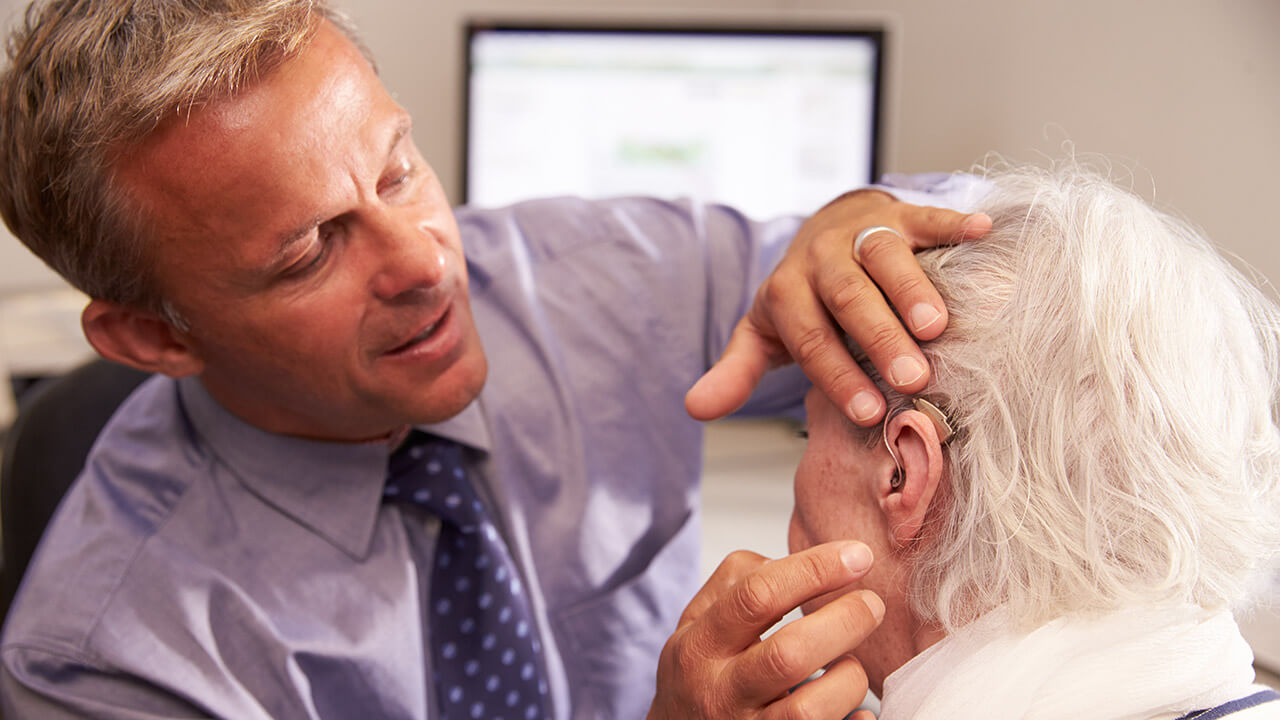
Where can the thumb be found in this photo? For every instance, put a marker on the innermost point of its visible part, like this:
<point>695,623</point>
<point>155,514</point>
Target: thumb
<point>729,383</point>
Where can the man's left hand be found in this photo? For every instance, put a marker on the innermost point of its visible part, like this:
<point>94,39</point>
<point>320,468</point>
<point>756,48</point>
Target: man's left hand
<point>820,283</point>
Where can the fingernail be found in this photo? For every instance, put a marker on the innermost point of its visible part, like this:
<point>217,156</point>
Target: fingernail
<point>857,557</point>
<point>874,604</point>
<point>865,405</point>
<point>905,370</point>
<point>923,316</point>
<point>978,220</point>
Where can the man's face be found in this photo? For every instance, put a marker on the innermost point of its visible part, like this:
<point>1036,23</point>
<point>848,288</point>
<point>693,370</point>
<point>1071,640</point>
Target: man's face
<point>298,230</point>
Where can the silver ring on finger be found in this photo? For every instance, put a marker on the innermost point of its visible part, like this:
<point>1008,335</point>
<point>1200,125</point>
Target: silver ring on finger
<point>862,236</point>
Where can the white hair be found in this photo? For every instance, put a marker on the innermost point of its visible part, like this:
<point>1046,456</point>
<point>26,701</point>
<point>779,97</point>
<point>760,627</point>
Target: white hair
<point>1114,380</point>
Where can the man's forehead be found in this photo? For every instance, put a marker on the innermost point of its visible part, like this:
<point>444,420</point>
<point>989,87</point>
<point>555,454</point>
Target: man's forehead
<point>270,154</point>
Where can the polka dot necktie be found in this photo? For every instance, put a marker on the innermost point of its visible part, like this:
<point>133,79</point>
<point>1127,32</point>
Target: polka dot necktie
<point>487,656</point>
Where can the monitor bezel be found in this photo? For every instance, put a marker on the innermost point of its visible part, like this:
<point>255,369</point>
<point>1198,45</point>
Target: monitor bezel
<point>876,34</point>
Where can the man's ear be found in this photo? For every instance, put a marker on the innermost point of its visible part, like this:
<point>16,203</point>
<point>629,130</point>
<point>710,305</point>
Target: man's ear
<point>914,439</point>
<point>139,338</point>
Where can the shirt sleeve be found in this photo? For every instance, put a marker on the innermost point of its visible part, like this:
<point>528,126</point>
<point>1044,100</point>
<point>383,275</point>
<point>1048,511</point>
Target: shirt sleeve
<point>38,683</point>
<point>739,254</point>
<point>678,274</point>
<point>646,287</point>
<point>962,192</point>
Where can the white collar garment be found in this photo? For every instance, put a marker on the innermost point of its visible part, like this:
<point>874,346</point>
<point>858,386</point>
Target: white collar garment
<point>1140,663</point>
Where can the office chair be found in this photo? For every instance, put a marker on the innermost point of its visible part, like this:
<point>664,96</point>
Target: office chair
<point>44,452</point>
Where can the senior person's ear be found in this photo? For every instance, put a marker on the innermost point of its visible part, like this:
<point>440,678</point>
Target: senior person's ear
<point>139,338</point>
<point>913,437</point>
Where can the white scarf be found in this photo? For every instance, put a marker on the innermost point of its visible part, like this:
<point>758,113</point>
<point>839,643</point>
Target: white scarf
<point>1144,663</point>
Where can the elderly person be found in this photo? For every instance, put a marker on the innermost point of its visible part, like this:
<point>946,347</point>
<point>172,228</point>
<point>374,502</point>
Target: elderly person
<point>1061,527</point>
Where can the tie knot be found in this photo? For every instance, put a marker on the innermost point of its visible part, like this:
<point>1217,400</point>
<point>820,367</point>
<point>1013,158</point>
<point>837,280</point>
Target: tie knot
<point>428,471</point>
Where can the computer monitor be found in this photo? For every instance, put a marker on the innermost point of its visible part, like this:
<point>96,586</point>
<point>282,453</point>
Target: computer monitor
<point>771,121</point>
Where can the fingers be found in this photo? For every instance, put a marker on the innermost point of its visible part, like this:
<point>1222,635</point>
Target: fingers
<point>793,653</point>
<point>702,672</point>
<point>817,344</point>
<point>737,617</point>
<point>931,226</point>
<point>840,690</point>
<point>890,271</point>
<point>858,305</point>
<point>891,263</point>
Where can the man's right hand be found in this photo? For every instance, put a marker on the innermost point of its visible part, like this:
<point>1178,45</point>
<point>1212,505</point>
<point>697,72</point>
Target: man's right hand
<point>717,666</point>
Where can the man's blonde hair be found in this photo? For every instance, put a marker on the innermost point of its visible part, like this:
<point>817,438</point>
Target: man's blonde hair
<point>89,79</point>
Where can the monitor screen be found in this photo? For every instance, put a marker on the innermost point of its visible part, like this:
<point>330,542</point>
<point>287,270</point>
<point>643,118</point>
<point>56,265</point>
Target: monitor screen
<point>768,121</point>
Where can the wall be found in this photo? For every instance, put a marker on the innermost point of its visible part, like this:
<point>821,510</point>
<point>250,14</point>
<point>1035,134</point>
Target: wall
<point>1183,92</point>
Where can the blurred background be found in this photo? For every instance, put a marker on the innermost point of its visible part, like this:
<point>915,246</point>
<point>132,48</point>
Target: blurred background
<point>1182,97</point>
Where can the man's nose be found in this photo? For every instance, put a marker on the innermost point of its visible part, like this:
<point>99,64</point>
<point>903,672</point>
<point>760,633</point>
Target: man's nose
<point>412,257</point>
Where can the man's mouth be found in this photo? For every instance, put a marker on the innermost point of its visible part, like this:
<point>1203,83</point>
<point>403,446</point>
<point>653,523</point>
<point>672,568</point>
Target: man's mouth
<point>423,335</point>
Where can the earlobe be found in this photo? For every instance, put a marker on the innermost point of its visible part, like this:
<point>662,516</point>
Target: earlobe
<point>139,339</point>
<point>913,438</point>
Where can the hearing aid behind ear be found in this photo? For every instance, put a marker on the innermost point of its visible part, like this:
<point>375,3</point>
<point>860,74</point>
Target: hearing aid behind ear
<point>940,423</point>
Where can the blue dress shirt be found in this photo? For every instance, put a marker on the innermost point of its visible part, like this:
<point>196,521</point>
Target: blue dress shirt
<point>202,567</point>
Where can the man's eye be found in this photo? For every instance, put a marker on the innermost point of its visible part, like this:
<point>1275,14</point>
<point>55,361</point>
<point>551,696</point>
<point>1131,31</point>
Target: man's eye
<point>803,433</point>
<point>306,264</point>
<point>395,180</point>
<point>316,257</point>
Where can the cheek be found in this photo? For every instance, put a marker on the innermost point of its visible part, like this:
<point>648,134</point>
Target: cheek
<point>828,505</point>
<point>321,326</point>
<point>805,529</point>
<point>308,336</point>
<point>797,538</point>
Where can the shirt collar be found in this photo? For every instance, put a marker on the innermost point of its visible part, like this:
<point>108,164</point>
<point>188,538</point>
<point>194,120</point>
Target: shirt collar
<point>334,489</point>
<point>468,427</point>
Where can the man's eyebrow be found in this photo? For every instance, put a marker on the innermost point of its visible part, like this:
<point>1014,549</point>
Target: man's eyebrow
<point>403,127</point>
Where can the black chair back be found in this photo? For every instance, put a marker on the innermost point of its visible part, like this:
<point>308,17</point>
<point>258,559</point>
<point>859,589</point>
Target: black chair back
<point>44,452</point>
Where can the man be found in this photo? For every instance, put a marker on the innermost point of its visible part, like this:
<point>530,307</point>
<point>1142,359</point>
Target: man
<point>244,203</point>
